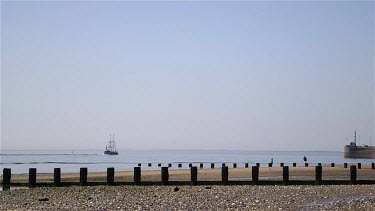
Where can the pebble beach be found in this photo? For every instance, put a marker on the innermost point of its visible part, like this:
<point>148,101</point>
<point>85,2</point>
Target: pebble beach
<point>345,197</point>
<point>203,197</point>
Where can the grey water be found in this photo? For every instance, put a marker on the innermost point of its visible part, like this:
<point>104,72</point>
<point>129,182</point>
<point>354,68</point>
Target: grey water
<point>71,160</point>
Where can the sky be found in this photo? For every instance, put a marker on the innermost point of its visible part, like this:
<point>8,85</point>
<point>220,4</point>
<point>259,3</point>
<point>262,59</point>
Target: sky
<point>258,75</point>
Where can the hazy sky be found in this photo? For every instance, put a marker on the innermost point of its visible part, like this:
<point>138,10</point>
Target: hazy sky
<point>198,75</point>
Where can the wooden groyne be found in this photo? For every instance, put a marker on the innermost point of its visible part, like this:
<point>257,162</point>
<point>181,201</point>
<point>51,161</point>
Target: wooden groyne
<point>164,178</point>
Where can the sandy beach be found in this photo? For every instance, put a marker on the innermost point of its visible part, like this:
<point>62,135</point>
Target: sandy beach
<point>265,173</point>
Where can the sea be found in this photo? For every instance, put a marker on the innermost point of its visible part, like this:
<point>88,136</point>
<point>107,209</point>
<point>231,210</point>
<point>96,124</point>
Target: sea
<point>70,161</point>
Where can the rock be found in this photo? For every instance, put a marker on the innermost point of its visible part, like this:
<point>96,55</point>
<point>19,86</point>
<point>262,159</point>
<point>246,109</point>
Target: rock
<point>176,189</point>
<point>43,199</point>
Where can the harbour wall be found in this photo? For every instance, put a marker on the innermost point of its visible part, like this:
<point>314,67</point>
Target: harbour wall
<point>359,152</point>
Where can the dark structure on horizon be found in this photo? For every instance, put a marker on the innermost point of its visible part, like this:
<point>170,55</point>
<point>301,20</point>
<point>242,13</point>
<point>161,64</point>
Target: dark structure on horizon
<point>354,151</point>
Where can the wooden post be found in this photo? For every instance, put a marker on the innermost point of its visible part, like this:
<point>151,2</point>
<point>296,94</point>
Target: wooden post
<point>194,175</point>
<point>318,175</point>
<point>255,174</point>
<point>170,165</point>
<point>7,174</point>
<point>110,176</point>
<point>269,164</point>
<point>190,165</point>
<point>332,164</point>
<point>179,165</point>
<point>281,164</point>
<point>159,164</point>
<point>32,177</point>
<point>319,164</point>
<point>234,165</point>
<point>212,165</point>
<point>258,165</point>
<point>201,165</point>
<point>137,175</point>
<point>306,164</point>
<point>359,166</point>
<point>164,175</point>
<point>83,176</point>
<point>345,165</point>
<point>139,164</point>
<point>373,165</point>
<point>353,175</point>
<point>246,165</point>
<point>224,174</point>
<point>285,175</point>
<point>56,176</point>
<point>149,164</point>
<point>223,165</point>
<point>294,164</point>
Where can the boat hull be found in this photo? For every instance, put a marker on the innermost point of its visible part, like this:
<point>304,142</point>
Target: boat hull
<point>110,153</point>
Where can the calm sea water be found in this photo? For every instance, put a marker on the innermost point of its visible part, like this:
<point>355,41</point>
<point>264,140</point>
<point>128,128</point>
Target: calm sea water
<point>96,161</point>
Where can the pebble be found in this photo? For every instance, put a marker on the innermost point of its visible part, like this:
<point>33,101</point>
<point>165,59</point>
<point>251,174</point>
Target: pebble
<point>343,197</point>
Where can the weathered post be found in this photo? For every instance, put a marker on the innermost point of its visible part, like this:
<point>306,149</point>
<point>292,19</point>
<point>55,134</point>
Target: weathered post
<point>110,176</point>
<point>190,165</point>
<point>332,164</point>
<point>149,164</point>
<point>353,175</point>
<point>159,164</point>
<point>269,164</point>
<point>294,164</point>
<point>281,164</point>
<point>7,174</point>
<point>246,165</point>
<point>285,175</point>
<point>345,165</point>
<point>306,164</point>
<point>223,165</point>
<point>258,165</point>
<point>83,176</point>
<point>164,175</point>
<point>201,165</point>
<point>194,175</point>
<point>318,175</point>
<point>32,177</point>
<point>319,164</point>
<point>170,165</point>
<point>224,174</point>
<point>139,164</point>
<point>137,175</point>
<point>56,176</point>
<point>359,165</point>
<point>373,165</point>
<point>212,165</point>
<point>255,174</point>
<point>234,165</point>
<point>179,165</point>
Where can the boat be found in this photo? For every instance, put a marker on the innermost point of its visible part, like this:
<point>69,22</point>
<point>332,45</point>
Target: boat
<point>354,151</point>
<point>110,149</point>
